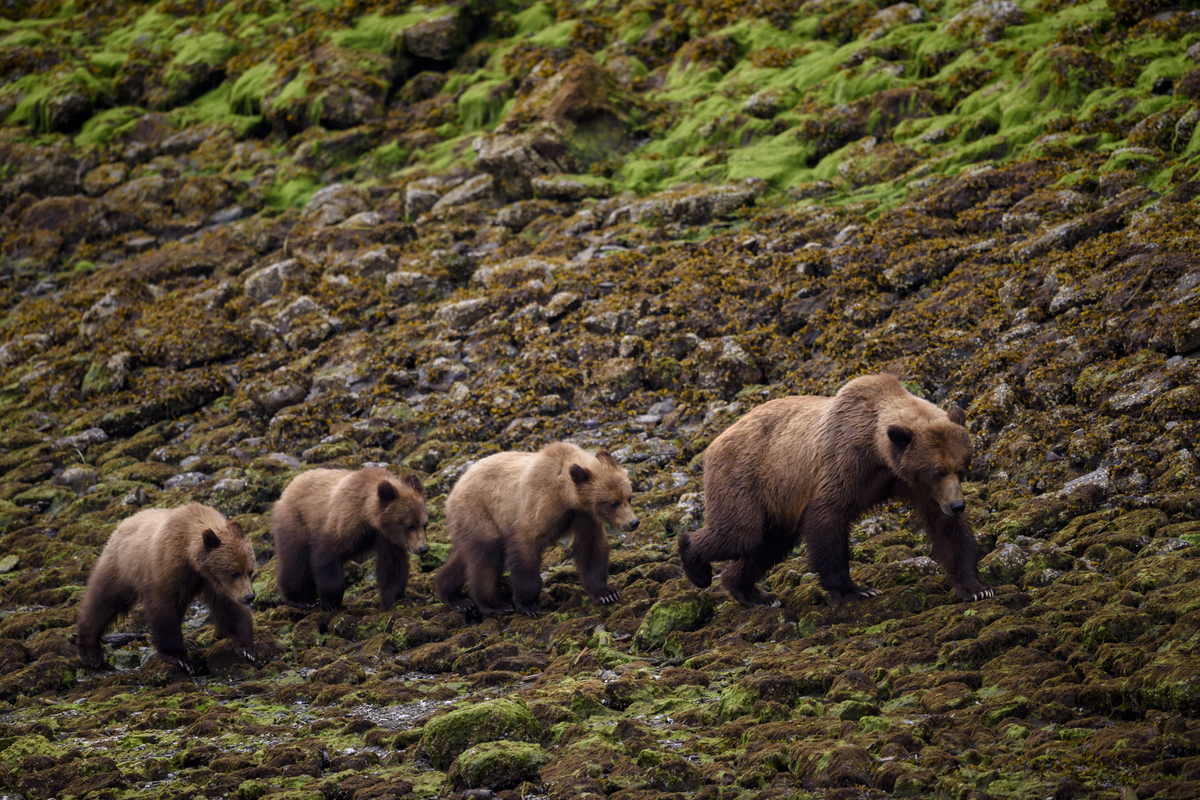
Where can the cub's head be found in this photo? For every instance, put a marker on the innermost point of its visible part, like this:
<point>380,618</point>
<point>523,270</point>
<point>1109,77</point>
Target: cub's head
<point>933,458</point>
<point>398,512</point>
<point>604,491</point>
<point>226,560</point>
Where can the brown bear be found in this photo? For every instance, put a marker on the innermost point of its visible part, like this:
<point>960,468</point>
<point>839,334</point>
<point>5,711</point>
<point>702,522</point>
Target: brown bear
<point>326,516</point>
<point>509,507</point>
<point>806,467</point>
<point>165,558</point>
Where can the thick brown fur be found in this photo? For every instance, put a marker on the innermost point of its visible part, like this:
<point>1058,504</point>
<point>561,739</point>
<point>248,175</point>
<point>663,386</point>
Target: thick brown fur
<point>326,516</point>
<point>807,467</point>
<point>165,558</point>
<point>508,508</point>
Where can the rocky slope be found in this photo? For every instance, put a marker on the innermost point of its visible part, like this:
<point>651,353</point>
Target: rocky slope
<point>241,240</point>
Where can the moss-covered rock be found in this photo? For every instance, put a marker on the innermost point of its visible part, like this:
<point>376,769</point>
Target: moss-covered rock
<point>498,765</point>
<point>447,736</point>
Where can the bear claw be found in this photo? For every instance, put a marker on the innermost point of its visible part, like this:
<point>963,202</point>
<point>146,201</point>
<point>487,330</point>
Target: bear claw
<point>610,596</point>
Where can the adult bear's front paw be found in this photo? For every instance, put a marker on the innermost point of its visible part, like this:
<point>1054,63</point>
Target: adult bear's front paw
<point>606,595</point>
<point>971,594</point>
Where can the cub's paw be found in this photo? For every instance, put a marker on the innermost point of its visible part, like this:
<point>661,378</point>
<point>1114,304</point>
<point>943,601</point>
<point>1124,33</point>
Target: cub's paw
<point>756,597</point>
<point>529,609</point>
<point>853,593</point>
<point>464,605</point>
<point>607,595</point>
<point>177,661</point>
<point>497,611</point>
<point>972,595</point>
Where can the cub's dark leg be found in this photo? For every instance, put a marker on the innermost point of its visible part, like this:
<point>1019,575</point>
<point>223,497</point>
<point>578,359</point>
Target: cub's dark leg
<point>164,618</point>
<point>232,621</point>
<point>525,575</point>
<point>827,537</point>
<point>954,547</point>
<point>483,551</point>
<point>449,580</point>
<point>327,572</point>
<point>591,560</point>
<point>293,567</point>
<point>740,577</point>
<point>103,602</point>
<point>391,572</point>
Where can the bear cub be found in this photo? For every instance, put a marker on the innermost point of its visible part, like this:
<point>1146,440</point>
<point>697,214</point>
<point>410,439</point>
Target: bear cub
<point>165,558</point>
<point>508,508</point>
<point>326,516</point>
<point>807,467</point>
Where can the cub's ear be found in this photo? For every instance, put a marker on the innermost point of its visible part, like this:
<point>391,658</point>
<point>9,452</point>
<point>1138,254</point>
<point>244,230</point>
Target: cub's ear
<point>580,474</point>
<point>387,492</point>
<point>899,435</point>
<point>235,530</point>
<point>605,458</point>
<point>957,415</point>
<point>211,540</point>
<point>413,482</point>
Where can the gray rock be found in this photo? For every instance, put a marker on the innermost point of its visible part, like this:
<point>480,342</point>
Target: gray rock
<point>363,220</point>
<point>81,441</point>
<point>464,313</point>
<point>988,17</point>
<point>104,178</point>
<point>885,19</point>
<point>335,203</point>
<point>373,263</point>
<point>568,188</point>
<point>608,322</point>
<point>409,286</point>
<point>440,374</point>
<point>285,459</point>
<point>268,282</point>
<point>21,348</point>
<point>479,189</point>
<point>184,479</point>
<point>722,364</point>
<point>766,103</point>
<point>418,200</point>
<point>561,304</point>
<point>515,159</point>
<point>79,478</point>
<point>514,272</point>
<point>1135,398</point>
<point>302,306</point>
<point>1100,478</point>
<point>100,312</point>
<point>436,39</point>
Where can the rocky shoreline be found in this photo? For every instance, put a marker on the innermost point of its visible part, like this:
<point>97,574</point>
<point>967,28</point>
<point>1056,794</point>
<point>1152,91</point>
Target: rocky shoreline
<point>275,236</point>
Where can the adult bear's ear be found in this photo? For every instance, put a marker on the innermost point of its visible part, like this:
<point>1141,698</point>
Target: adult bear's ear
<point>580,474</point>
<point>899,435</point>
<point>413,482</point>
<point>605,457</point>
<point>211,540</point>
<point>957,415</point>
<point>387,492</point>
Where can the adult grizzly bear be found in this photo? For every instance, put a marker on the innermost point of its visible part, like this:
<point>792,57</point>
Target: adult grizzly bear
<point>326,516</point>
<point>808,466</point>
<point>165,558</point>
<point>509,507</point>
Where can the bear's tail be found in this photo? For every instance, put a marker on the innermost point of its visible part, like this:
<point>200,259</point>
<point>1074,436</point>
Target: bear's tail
<point>698,571</point>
